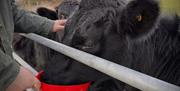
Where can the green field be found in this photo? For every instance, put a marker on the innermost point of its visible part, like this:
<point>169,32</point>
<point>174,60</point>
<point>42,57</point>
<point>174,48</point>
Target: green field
<point>170,6</point>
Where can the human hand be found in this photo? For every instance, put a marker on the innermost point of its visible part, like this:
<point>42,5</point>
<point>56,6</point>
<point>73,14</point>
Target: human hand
<point>24,80</point>
<point>58,25</point>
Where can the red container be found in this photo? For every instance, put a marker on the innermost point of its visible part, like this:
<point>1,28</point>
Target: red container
<point>49,87</point>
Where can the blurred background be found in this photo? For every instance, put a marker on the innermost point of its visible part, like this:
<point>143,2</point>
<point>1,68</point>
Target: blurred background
<point>32,5</point>
<point>170,6</point>
<point>167,6</point>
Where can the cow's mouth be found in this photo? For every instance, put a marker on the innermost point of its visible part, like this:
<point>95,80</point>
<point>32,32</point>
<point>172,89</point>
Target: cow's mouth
<point>89,48</point>
<point>84,47</point>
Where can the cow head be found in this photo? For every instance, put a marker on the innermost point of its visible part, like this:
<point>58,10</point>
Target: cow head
<point>103,28</point>
<point>90,22</point>
<point>94,23</point>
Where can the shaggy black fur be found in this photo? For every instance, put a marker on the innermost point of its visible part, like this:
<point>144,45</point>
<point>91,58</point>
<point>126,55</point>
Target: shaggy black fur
<point>130,34</point>
<point>127,33</point>
<point>66,8</point>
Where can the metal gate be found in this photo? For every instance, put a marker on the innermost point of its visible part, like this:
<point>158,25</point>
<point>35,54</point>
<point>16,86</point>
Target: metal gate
<point>124,74</point>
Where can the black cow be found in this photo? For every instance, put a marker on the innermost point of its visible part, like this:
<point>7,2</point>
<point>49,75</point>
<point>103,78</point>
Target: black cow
<point>130,34</point>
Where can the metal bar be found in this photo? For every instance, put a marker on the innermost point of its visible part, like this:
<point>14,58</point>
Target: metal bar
<point>126,75</point>
<point>24,64</point>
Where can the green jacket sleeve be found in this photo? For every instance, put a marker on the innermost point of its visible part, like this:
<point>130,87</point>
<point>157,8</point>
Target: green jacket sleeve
<point>26,22</point>
<point>9,69</point>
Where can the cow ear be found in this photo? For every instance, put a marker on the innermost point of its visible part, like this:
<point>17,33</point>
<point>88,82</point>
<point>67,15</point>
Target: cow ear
<point>50,14</point>
<point>139,17</point>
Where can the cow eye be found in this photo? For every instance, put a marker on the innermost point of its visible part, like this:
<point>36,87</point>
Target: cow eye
<point>139,18</point>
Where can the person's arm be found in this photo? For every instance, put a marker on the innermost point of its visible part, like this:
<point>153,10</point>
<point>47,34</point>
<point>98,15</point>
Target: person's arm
<point>9,69</point>
<point>26,22</point>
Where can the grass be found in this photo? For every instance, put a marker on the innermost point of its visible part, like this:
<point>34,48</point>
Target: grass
<point>170,6</point>
<point>31,5</point>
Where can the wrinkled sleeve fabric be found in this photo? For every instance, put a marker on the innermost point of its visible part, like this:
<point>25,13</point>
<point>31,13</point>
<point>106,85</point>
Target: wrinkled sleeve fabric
<point>9,70</point>
<point>27,22</point>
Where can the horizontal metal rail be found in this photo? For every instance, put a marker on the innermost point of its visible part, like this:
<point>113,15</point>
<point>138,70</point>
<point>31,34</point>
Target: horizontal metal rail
<point>24,64</point>
<point>126,75</point>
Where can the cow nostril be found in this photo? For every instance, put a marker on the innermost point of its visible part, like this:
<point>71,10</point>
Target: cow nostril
<point>89,43</point>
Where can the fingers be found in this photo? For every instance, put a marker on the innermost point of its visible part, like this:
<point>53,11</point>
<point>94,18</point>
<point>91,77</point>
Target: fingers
<point>24,80</point>
<point>62,22</point>
<point>59,25</point>
<point>37,85</point>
